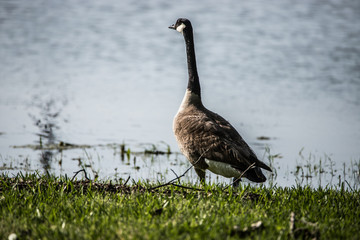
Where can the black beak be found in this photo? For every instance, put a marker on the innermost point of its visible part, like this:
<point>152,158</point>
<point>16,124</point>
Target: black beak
<point>172,26</point>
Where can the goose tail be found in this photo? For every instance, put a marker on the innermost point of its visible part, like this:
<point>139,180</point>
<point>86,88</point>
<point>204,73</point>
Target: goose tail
<point>255,174</point>
<point>263,165</point>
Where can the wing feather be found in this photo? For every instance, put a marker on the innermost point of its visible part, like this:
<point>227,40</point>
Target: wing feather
<point>210,135</point>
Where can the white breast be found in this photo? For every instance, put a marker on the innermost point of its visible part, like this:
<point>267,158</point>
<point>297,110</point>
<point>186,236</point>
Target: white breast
<point>189,99</point>
<point>223,169</point>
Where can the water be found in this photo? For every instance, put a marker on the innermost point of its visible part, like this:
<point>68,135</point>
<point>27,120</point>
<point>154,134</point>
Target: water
<point>98,73</point>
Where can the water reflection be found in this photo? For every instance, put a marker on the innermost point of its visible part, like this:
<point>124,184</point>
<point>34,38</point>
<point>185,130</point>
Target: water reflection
<point>47,124</point>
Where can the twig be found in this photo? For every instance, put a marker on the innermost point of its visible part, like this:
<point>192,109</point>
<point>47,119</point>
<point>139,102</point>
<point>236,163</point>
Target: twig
<point>292,224</point>
<point>242,174</point>
<point>178,177</point>
<point>357,199</point>
<point>349,185</point>
<point>76,173</point>
<point>174,173</point>
<point>126,181</point>
<point>311,224</point>
<point>191,188</point>
<point>170,182</point>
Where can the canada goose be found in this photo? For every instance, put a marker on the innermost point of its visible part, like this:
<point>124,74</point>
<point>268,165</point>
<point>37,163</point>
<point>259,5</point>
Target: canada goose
<point>206,139</point>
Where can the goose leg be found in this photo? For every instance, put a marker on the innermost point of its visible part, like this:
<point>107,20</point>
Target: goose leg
<point>201,174</point>
<point>237,183</point>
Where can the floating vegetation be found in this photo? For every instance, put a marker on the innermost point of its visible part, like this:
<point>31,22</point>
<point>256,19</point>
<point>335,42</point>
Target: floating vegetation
<point>155,150</point>
<point>59,146</point>
<point>157,162</point>
<point>263,138</point>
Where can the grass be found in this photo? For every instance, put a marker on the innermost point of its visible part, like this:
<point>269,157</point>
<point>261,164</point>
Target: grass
<point>49,207</point>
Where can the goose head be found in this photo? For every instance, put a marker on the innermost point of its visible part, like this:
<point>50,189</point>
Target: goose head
<point>181,25</point>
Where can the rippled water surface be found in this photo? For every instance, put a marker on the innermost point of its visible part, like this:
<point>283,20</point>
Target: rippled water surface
<point>286,74</point>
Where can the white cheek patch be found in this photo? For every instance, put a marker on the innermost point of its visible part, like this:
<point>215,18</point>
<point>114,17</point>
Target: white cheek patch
<point>181,27</point>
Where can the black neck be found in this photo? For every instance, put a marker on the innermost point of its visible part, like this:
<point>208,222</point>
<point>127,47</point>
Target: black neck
<point>193,84</point>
